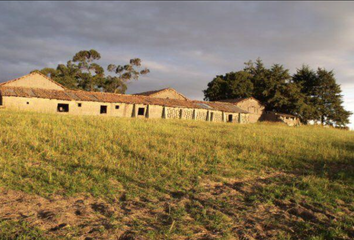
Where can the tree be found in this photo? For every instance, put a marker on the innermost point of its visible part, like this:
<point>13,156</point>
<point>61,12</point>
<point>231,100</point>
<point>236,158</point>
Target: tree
<point>83,72</point>
<point>91,75</point>
<point>259,75</point>
<point>328,99</point>
<point>322,96</point>
<point>118,83</point>
<point>280,94</point>
<point>232,85</point>
<point>274,88</point>
<point>306,78</point>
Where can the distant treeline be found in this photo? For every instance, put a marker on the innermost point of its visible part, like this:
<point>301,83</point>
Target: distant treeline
<point>309,94</point>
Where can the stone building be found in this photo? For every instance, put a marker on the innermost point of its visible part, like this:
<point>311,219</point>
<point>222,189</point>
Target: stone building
<point>37,92</point>
<point>251,105</point>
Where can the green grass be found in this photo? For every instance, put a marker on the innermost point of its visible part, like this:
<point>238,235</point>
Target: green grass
<point>46,154</point>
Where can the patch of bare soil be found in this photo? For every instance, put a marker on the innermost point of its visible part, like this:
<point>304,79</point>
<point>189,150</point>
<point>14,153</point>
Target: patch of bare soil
<point>262,218</point>
<point>86,217</point>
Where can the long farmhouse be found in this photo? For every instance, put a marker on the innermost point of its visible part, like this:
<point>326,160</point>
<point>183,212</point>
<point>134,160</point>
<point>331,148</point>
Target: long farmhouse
<point>37,92</point>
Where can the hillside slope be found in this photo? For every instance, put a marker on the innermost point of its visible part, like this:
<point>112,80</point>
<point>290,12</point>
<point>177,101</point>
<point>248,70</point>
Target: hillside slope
<point>108,178</point>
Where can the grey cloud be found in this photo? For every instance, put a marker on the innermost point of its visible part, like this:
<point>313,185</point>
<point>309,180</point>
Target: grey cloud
<point>190,41</point>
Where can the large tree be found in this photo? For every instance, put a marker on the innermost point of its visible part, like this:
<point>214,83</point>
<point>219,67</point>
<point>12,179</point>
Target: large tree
<point>91,74</point>
<point>273,87</point>
<point>311,95</point>
<point>229,86</point>
<point>83,72</point>
<point>306,78</point>
<point>280,93</point>
<point>323,96</point>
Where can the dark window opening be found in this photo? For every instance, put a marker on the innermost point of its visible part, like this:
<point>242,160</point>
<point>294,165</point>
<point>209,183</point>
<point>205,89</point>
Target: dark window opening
<point>63,107</point>
<point>230,118</point>
<point>211,116</point>
<point>79,104</point>
<point>103,110</point>
<point>141,111</point>
<point>27,103</point>
<point>117,106</point>
<point>0,100</point>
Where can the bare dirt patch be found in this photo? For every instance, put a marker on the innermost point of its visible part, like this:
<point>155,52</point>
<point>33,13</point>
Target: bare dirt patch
<point>233,209</point>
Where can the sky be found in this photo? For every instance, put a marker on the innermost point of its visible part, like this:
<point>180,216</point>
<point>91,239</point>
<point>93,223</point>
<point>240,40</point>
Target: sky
<point>184,44</point>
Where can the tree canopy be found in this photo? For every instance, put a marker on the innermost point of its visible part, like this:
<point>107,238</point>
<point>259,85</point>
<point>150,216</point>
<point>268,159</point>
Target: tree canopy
<point>308,94</point>
<point>83,72</point>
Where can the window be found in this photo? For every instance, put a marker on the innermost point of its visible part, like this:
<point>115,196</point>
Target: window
<point>230,118</point>
<point>27,103</point>
<point>79,104</point>
<point>103,110</point>
<point>141,111</point>
<point>0,100</point>
<point>62,107</point>
<point>117,106</point>
<point>211,116</point>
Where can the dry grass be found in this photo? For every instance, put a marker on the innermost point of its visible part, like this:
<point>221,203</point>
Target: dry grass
<point>175,179</point>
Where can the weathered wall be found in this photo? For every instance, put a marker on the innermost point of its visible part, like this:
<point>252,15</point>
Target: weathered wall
<point>187,114</point>
<point>155,111</point>
<point>215,116</point>
<point>253,107</point>
<point>50,106</point>
<point>34,81</point>
<point>172,113</point>
<point>235,117</point>
<point>169,94</point>
<point>244,118</point>
<point>120,110</point>
<point>201,114</point>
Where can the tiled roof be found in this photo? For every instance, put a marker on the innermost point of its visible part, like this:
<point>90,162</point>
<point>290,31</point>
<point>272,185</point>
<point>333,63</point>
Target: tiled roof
<point>152,93</point>
<point>69,95</point>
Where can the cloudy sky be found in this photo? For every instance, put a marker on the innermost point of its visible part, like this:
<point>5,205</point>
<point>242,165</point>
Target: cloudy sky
<point>184,44</point>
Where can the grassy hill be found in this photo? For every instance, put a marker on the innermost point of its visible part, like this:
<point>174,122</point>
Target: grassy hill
<point>98,178</point>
